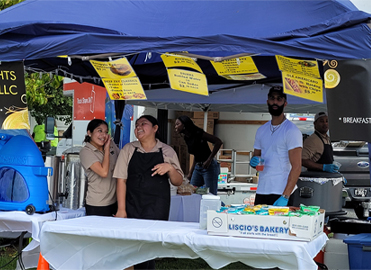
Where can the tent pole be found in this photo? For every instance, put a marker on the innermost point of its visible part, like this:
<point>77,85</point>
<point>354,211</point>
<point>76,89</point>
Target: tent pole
<point>205,117</point>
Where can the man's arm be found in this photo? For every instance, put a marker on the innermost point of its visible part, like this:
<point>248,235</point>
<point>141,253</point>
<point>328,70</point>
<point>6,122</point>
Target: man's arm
<point>309,164</point>
<point>295,161</point>
<point>257,153</point>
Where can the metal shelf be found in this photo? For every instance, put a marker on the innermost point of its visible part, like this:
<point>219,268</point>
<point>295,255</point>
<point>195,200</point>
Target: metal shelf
<point>234,162</point>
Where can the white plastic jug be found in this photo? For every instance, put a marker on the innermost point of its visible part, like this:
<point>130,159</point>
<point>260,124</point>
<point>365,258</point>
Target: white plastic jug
<point>208,202</point>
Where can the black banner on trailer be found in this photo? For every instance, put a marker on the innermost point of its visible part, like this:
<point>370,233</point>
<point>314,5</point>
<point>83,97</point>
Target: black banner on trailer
<point>348,94</point>
<point>13,102</point>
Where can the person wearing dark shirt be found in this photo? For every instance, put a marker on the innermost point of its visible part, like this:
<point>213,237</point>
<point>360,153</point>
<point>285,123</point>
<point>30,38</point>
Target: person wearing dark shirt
<point>317,150</point>
<point>205,169</point>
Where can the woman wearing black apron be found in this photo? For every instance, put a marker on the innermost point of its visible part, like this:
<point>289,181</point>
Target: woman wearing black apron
<point>143,170</point>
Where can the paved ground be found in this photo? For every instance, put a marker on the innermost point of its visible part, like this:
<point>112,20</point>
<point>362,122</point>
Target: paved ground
<point>350,213</point>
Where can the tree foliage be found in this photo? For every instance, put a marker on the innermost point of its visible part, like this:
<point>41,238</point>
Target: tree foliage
<point>45,98</point>
<point>8,3</point>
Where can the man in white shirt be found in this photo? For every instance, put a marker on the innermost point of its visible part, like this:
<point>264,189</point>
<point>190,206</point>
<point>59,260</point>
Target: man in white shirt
<point>279,142</point>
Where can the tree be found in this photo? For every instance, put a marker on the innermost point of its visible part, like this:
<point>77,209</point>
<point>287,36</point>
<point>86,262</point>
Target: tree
<point>45,98</point>
<point>7,3</point>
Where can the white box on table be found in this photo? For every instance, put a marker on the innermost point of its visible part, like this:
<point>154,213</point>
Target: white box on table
<point>304,228</point>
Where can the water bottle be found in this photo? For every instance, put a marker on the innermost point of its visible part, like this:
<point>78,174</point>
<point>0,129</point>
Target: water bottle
<point>208,202</point>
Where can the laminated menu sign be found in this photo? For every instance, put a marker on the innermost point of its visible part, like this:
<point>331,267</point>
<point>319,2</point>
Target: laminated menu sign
<point>297,66</point>
<point>302,86</point>
<point>301,78</point>
<point>241,65</point>
<point>119,79</point>
<point>124,89</point>
<point>13,103</point>
<point>171,61</point>
<point>303,228</point>
<point>188,81</point>
<point>245,77</point>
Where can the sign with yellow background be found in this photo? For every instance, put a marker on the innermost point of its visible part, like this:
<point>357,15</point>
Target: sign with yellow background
<point>241,65</point>
<point>120,79</point>
<point>188,81</point>
<point>116,69</point>
<point>302,86</point>
<point>302,67</point>
<point>124,89</point>
<point>13,102</point>
<point>171,61</point>
<point>245,77</point>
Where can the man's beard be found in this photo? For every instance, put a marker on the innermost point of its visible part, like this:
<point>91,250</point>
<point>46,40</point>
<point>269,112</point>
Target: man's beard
<point>276,112</point>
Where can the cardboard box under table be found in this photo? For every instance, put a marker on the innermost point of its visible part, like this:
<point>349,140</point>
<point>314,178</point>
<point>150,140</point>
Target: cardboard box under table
<point>304,228</point>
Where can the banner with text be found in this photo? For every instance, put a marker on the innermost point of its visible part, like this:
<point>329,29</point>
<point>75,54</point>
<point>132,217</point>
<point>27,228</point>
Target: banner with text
<point>120,79</point>
<point>13,102</point>
<point>348,94</point>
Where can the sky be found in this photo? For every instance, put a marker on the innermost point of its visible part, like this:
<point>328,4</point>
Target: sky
<point>364,5</point>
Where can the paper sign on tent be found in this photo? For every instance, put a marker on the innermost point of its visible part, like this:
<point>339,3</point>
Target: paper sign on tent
<point>301,78</point>
<point>302,86</point>
<point>188,81</point>
<point>171,61</point>
<point>183,79</point>
<point>120,79</point>
<point>241,65</point>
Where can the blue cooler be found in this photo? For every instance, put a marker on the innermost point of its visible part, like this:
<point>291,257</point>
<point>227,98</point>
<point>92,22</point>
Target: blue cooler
<point>359,251</point>
<point>23,175</point>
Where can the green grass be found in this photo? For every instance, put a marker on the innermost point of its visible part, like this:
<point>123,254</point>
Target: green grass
<point>7,258</point>
<point>8,254</point>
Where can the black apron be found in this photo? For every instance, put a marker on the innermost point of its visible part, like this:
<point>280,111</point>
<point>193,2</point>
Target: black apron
<point>327,155</point>
<point>147,197</point>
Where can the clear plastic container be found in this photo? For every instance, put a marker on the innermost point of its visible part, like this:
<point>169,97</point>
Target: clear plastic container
<point>208,202</point>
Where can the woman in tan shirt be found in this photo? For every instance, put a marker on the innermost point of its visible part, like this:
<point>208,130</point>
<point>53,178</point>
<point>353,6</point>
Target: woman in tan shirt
<point>143,170</point>
<point>98,158</point>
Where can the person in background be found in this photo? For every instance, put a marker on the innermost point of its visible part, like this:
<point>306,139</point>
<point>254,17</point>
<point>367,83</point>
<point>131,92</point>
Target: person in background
<point>54,142</point>
<point>39,135</point>
<point>98,158</point>
<point>205,169</point>
<point>279,142</point>
<point>317,149</point>
<point>143,170</point>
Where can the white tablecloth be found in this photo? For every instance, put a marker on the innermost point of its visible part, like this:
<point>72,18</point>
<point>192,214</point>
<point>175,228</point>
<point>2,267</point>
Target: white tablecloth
<point>116,243</point>
<point>185,208</point>
<point>19,221</point>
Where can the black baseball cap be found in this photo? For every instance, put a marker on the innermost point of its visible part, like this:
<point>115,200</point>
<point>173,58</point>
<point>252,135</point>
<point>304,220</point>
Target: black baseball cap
<point>277,89</point>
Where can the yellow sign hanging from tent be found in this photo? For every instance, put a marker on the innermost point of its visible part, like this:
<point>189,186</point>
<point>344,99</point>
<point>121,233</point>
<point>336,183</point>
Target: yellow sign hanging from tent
<point>188,81</point>
<point>124,89</point>
<point>116,69</point>
<point>171,61</point>
<point>302,86</point>
<point>245,77</point>
<point>120,79</point>
<point>241,65</point>
<point>301,78</point>
<point>297,66</point>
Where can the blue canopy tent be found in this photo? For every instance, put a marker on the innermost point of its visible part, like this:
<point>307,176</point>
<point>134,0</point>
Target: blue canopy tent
<point>37,32</point>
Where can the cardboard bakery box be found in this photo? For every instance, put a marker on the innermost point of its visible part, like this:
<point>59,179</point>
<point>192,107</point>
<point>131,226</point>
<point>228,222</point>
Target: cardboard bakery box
<point>304,228</point>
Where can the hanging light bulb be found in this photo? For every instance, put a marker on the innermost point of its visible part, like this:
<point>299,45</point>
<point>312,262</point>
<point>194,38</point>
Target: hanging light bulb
<point>238,61</point>
<point>69,61</point>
